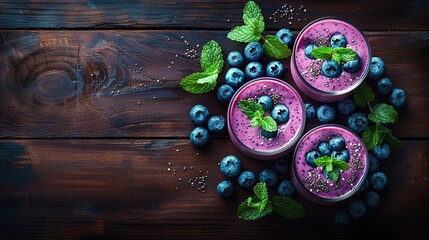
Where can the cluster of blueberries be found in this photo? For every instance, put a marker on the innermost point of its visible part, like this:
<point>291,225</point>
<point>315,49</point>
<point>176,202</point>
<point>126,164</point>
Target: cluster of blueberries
<point>230,166</point>
<point>279,112</point>
<point>335,148</point>
<point>204,125</point>
<point>253,52</point>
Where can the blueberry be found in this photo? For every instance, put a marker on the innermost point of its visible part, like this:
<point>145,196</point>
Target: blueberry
<point>372,199</point>
<point>325,113</point>
<point>253,51</point>
<point>286,188</point>
<point>311,156</point>
<point>266,102</point>
<point>281,165</point>
<point>286,36</point>
<point>353,65</point>
<point>268,176</point>
<point>199,115</point>
<point>246,179</point>
<point>378,181</point>
<point>199,136</point>
<point>343,155</point>
<point>376,69</point>
<point>338,40</point>
<point>235,59</point>
<point>310,110</point>
<point>324,149</point>
<point>346,106</point>
<point>280,113</point>
<point>397,98</point>
<point>234,77</point>
<point>308,51</point>
<point>384,86</point>
<point>342,217</point>
<point>254,70</point>
<point>381,151</point>
<point>364,186</point>
<point>268,134</point>
<point>275,69</point>
<point>225,189</point>
<point>357,208</point>
<point>357,122</point>
<point>331,69</point>
<point>373,163</point>
<point>225,93</point>
<point>337,143</point>
<point>230,166</point>
<point>217,124</point>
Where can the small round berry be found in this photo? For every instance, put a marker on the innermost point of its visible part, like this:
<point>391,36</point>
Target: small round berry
<point>310,157</point>
<point>376,69</point>
<point>357,209</point>
<point>253,51</point>
<point>235,59</point>
<point>274,69</point>
<point>373,163</point>
<point>353,65</point>
<point>342,217</point>
<point>384,86</point>
<point>286,36</point>
<point>324,149</point>
<point>225,93</point>
<point>372,199</point>
<point>280,113</point>
<point>331,69</point>
<point>378,181</point>
<point>246,179</point>
<point>225,189</point>
<point>357,122</point>
<point>269,134</point>
<point>217,124</point>
<point>268,176</point>
<point>343,155</point>
<point>234,77</point>
<point>230,166</point>
<point>308,51</point>
<point>281,165</point>
<point>346,106</point>
<point>266,102</point>
<point>338,40</point>
<point>199,115</point>
<point>337,143</point>
<point>254,70</point>
<point>325,113</point>
<point>310,110</point>
<point>199,136</point>
<point>381,151</point>
<point>286,188</point>
<point>398,98</point>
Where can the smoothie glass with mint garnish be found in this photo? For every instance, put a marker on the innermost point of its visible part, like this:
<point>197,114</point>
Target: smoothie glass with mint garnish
<point>248,139</point>
<point>307,71</point>
<point>312,182</point>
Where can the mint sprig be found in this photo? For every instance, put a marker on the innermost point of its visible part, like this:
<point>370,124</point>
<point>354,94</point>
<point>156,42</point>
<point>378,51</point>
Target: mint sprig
<point>211,63</point>
<point>380,114</point>
<point>338,54</point>
<point>252,30</point>
<point>258,206</point>
<point>332,166</point>
<point>255,113</point>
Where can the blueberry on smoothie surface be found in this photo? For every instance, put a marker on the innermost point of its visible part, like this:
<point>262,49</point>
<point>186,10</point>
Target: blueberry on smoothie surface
<point>280,113</point>
<point>269,134</point>
<point>230,166</point>
<point>324,149</point>
<point>338,40</point>
<point>266,102</point>
<point>343,155</point>
<point>199,136</point>
<point>378,181</point>
<point>308,51</point>
<point>234,77</point>
<point>310,110</point>
<point>254,70</point>
<point>225,189</point>
<point>235,59</point>
<point>346,106</point>
<point>253,51</point>
<point>274,69</point>
<point>381,151</point>
<point>325,113</point>
<point>376,69</point>
<point>353,65</point>
<point>217,124</point>
<point>286,188</point>
<point>337,143</point>
<point>384,86</point>
<point>286,36</point>
<point>357,208</point>
<point>268,176</point>
<point>357,122</point>
<point>331,69</point>
<point>225,93</point>
<point>199,115</point>
<point>311,156</point>
<point>246,179</point>
<point>397,98</point>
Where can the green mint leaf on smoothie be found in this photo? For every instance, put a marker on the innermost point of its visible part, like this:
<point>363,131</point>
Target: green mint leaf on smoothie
<point>212,58</point>
<point>249,108</point>
<point>340,164</point>
<point>334,175</point>
<point>257,118</point>
<point>243,34</point>
<point>198,83</point>
<point>338,54</point>
<point>336,57</point>
<point>346,54</point>
<point>273,47</point>
<point>287,207</point>
<point>252,17</point>
<point>269,124</point>
<point>329,167</point>
<point>332,166</point>
<point>363,95</point>
<point>383,113</point>
<point>324,53</point>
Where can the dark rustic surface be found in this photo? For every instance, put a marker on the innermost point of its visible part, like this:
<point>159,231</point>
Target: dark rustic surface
<point>90,120</point>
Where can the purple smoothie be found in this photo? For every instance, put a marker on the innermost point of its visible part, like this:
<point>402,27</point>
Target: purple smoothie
<point>306,72</point>
<point>249,140</point>
<point>311,182</point>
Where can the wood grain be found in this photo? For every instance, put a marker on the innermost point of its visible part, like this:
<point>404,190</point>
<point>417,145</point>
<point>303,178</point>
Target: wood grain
<point>137,14</point>
<point>117,188</point>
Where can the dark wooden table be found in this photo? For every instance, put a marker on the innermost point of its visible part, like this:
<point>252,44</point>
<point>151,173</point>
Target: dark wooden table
<point>91,114</point>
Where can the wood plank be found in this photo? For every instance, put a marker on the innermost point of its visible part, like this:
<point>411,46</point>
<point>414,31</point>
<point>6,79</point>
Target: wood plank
<point>79,84</point>
<point>103,14</point>
<point>117,188</point>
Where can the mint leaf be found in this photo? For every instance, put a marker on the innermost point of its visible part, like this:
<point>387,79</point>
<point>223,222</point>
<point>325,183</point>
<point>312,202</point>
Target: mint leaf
<point>249,108</point>
<point>212,58</point>
<point>287,207</point>
<point>383,113</point>
<point>257,206</point>
<point>256,121</point>
<point>324,53</point>
<point>243,34</point>
<point>269,124</point>
<point>261,191</point>
<point>341,165</point>
<point>388,136</point>
<point>363,95</point>
<point>336,57</point>
<point>273,47</point>
<point>371,137</point>
<point>198,83</point>
<point>252,17</point>
<point>334,175</point>
<point>247,212</point>
<point>346,54</point>
<point>323,161</point>
<point>329,167</point>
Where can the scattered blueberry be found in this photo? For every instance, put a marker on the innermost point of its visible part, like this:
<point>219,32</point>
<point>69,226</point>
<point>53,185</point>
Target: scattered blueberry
<point>343,155</point>
<point>357,208</point>
<point>253,51</point>
<point>246,179</point>
<point>372,199</point>
<point>325,113</point>
<point>384,86</point>
<point>376,69</point>
<point>266,102</point>
<point>280,113</point>
<point>337,143</point>
<point>254,70</point>
<point>381,151</point>
<point>281,165</point>
<point>397,98</point>
<point>324,149</point>
<point>234,77</point>
<point>235,59</point>
<point>357,122</point>
<point>308,51</point>
<point>275,69</point>
<point>286,188</point>
<point>346,106</point>
<point>268,176</point>
<point>353,65</point>
<point>268,134</point>
<point>373,163</point>
<point>364,185</point>
<point>331,69</point>
<point>286,36</point>
<point>311,156</point>
<point>225,189</point>
<point>199,136</point>
<point>225,93</point>
<point>230,166</point>
<point>338,40</point>
<point>342,217</point>
<point>310,110</point>
<point>199,115</point>
<point>217,124</point>
<point>378,181</point>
